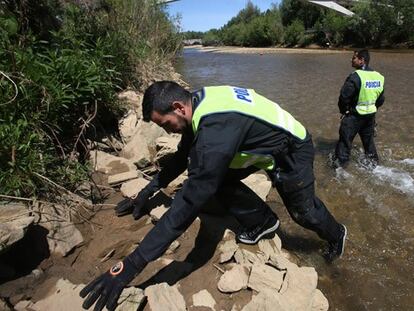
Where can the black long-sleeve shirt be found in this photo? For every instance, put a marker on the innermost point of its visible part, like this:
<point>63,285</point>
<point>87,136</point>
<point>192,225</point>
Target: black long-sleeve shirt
<point>348,98</point>
<point>209,153</point>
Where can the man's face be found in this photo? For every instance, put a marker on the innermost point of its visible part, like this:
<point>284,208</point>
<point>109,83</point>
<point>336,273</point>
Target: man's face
<point>356,61</point>
<point>171,122</point>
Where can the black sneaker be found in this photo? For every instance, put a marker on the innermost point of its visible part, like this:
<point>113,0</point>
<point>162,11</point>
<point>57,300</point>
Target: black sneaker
<point>253,235</point>
<point>336,249</point>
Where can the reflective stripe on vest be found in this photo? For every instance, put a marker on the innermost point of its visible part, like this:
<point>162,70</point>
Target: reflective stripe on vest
<point>372,85</point>
<point>219,99</point>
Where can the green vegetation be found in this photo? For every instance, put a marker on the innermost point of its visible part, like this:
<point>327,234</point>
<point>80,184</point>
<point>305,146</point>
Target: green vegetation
<point>377,23</point>
<point>61,66</point>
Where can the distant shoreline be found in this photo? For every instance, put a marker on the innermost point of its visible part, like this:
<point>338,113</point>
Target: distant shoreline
<point>272,50</point>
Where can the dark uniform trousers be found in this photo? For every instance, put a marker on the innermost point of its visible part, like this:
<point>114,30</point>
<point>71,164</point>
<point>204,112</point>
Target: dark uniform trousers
<point>295,186</point>
<point>350,126</point>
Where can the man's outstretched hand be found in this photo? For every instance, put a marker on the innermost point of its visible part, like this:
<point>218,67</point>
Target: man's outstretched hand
<point>136,206</point>
<point>107,288</point>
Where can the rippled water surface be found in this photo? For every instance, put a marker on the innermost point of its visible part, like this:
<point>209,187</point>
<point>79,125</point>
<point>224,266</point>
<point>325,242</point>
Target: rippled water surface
<point>377,271</point>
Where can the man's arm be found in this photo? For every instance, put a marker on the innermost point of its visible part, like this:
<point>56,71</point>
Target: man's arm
<point>175,166</point>
<point>349,93</point>
<point>218,139</point>
<point>380,100</point>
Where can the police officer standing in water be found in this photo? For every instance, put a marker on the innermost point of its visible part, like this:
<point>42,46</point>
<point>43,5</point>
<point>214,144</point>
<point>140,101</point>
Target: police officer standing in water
<point>361,95</point>
<point>227,134</point>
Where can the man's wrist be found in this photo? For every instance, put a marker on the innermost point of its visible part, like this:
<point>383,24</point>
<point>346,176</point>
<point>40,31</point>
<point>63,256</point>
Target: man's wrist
<point>136,260</point>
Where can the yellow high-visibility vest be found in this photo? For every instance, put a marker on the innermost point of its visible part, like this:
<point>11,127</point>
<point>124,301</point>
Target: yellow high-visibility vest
<point>372,85</point>
<point>220,99</point>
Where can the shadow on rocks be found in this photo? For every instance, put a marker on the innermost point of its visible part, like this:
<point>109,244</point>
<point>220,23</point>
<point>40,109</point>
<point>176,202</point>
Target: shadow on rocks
<point>211,232</point>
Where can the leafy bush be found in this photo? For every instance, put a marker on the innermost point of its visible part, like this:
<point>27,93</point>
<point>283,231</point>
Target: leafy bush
<point>294,33</point>
<point>211,37</point>
<point>234,35</point>
<point>245,15</point>
<point>58,87</point>
<point>376,23</point>
<point>252,28</point>
<point>275,29</point>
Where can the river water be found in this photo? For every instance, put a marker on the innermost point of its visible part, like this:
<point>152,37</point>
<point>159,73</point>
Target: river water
<point>377,206</point>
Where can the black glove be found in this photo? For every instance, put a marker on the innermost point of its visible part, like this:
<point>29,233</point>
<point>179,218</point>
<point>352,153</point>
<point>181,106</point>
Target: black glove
<point>109,285</point>
<point>136,205</point>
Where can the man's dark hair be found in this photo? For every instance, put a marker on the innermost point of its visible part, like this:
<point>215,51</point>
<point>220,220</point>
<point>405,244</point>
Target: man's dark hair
<point>363,54</point>
<point>160,96</point>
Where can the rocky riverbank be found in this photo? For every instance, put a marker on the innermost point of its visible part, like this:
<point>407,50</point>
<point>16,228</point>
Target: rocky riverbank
<point>204,269</point>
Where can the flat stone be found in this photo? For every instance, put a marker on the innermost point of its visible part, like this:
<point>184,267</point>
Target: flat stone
<point>127,125</point>
<point>165,261</point>
<point>14,222</point>
<point>158,212</point>
<point>166,146</point>
<point>245,257</point>
<point>301,287</point>
<point>271,247</point>
<point>121,177</point>
<point>132,187</point>
<point>267,300</point>
<point>204,299</point>
<point>320,303</point>
<point>63,235</point>
<point>23,305</point>
<point>130,299</point>
<point>259,184</point>
<point>162,297</point>
<point>150,131</point>
<point>280,262</point>
<point>228,248</point>
<point>172,248</point>
<point>234,280</point>
<point>63,296</point>
<point>137,150</point>
<point>133,98</point>
<point>228,234</point>
<point>263,276</point>
<point>109,164</point>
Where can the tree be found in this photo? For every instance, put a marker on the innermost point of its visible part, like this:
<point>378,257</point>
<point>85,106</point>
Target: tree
<point>291,10</point>
<point>245,15</point>
<point>211,37</point>
<point>275,28</point>
<point>294,33</point>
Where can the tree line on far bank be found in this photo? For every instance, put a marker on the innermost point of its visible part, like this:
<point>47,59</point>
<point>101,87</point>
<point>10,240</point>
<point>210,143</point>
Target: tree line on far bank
<point>376,23</point>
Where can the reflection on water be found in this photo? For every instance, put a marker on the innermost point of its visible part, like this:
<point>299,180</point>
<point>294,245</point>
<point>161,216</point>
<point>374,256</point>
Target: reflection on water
<point>377,271</point>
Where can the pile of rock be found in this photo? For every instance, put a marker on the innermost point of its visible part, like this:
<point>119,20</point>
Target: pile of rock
<point>16,219</point>
<point>266,270</point>
<point>144,147</point>
<point>276,282</point>
<point>280,284</point>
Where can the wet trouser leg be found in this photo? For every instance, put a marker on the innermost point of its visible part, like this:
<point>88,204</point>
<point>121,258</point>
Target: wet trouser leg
<point>366,133</point>
<point>242,202</point>
<point>295,185</point>
<point>347,131</point>
<point>310,212</point>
